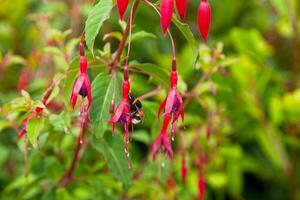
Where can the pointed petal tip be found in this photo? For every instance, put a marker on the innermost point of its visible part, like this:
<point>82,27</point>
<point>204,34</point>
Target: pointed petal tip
<point>181,17</point>
<point>164,31</point>
<point>121,16</point>
<point>122,6</point>
<point>205,38</point>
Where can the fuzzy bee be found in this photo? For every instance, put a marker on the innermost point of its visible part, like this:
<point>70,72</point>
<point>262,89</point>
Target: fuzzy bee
<point>136,110</point>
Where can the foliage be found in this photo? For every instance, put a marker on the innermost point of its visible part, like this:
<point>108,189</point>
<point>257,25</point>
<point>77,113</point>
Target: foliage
<point>240,90</point>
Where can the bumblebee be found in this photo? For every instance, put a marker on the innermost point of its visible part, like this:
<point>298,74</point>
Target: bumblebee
<point>136,110</point>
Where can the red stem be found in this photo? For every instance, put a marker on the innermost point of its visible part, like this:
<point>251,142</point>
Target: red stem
<point>125,36</point>
<point>174,68</point>
<point>68,175</point>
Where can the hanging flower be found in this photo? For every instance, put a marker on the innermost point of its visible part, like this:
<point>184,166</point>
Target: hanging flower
<point>122,114</point>
<point>201,175</point>
<point>166,12</point>
<point>173,104</point>
<point>162,141</point>
<point>184,169</point>
<point>201,187</point>
<point>122,6</point>
<point>204,18</point>
<point>181,6</point>
<point>82,85</point>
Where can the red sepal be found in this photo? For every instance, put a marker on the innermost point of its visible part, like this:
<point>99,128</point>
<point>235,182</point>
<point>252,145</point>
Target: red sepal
<point>181,6</point>
<point>122,6</point>
<point>162,141</point>
<point>204,18</point>
<point>166,11</point>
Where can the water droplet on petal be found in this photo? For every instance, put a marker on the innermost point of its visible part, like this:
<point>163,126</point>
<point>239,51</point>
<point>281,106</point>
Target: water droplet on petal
<point>172,138</point>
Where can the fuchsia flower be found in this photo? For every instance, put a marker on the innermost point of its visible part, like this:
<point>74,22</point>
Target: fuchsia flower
<point>181,6</point>
<point>173,103</point>
<point>201,177</point>
<point>166,11</point>
<point>82,85</point>
<point>162,141</point>
<point>122,114</point>
<point>204,18</point>
<point>201,187</point>
<point>184,169</point>
<point>122,6</point>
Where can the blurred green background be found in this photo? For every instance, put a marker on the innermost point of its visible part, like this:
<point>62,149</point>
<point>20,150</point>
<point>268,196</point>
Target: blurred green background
<point>251,63</point>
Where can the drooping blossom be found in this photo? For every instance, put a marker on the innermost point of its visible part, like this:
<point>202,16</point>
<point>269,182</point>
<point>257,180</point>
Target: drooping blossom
<point>122,6</point>
<point>82,84</point>
<point>162,141</point>
<point>204,18</point>
<point>184,169</point>
<point>166,12</point>
<point>201,175</point>
<point>201,187</point>
<point>173,103</point>
<point>181,6</point>
<point>122,114</point>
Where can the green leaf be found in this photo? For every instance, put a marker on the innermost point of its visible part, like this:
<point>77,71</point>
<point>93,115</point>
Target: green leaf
<point>157,73</point>
<point>50,195</point>
<point>141,34</point>
<point>102,91</point>
<point>217,180</point>
<point>187,33</point>
<point>53,94</point>
<point>112,148</point>
<point>95,20</point>
<point>61,122</point>
<point>34,127</point>
<point>141,136</point>
<point>116,35</point>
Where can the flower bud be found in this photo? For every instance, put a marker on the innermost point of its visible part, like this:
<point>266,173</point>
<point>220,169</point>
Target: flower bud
<point>166,11</point>
<point>204,18</point>
<point>181,6</point>
<point>122,6</point>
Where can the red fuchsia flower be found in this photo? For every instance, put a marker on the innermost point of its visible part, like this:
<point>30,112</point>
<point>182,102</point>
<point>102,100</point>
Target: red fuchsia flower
<point>122,114</point>
<point>162,141</point>
<point>173,104</point>
<point>201,177</point>
<point>181,6</point>
<point>201,187</point>
<point>122,6</point>
<point>184,169</point>
<point>82,84</point>
<point>166,12</point>
<point>204,18</point>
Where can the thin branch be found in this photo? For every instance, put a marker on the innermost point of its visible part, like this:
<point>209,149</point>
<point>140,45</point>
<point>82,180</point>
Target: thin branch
<point>169,34</point>
<point>125,36</point>
<point>84,121</point>
<point>150,94</point>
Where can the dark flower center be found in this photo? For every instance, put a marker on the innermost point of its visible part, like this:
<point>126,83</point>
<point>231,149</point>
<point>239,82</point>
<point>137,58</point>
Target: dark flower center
<point>175,106</point>
<point>122,119</point>
<point>83,91</point>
